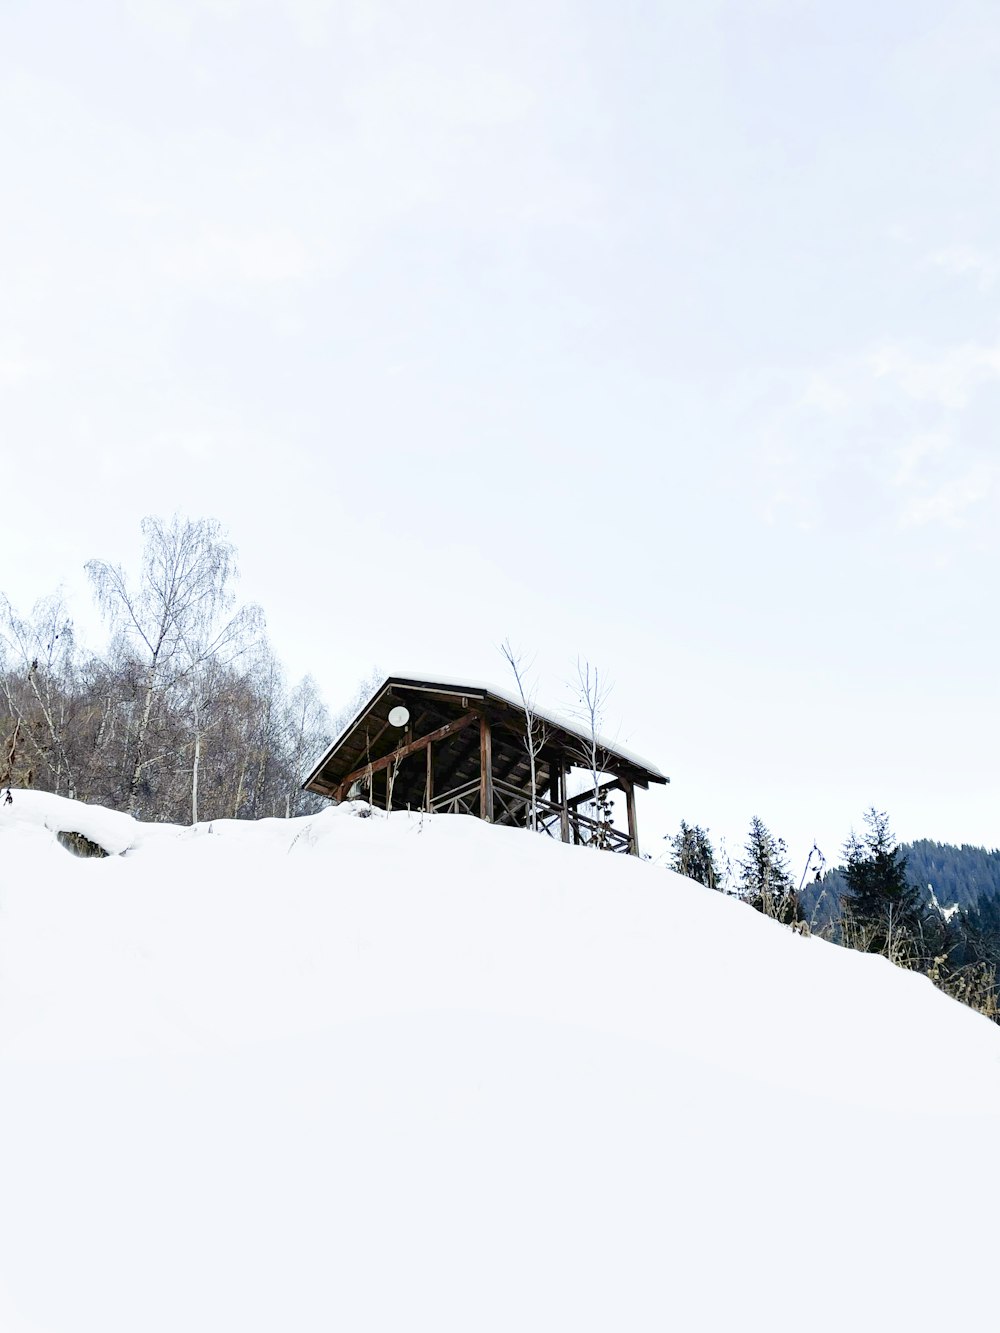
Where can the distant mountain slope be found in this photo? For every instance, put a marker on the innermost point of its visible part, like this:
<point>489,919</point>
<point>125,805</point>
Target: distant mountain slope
<point>962,875</point>
<point>968,876</point>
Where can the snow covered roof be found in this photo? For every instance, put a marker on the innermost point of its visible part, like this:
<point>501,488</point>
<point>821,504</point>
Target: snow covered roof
<point>355,746</point>
<point>555,718</point>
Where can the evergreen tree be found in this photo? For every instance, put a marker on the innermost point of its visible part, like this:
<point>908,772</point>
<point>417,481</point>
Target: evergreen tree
<point>881,905</point>
<point>765,880</point>
<point>693,855</point>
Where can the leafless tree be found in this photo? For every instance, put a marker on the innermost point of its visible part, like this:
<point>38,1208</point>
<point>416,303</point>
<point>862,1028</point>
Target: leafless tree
<point>175,620</point>
<point>185,712</point>
<point>212,650</point>
<point>308,731</point>
<point>40,653</point>
<point>535,730</point>
<point>8,758</point>
<point>593,689</point>
<point>267,683</point>
<point>363,691</point>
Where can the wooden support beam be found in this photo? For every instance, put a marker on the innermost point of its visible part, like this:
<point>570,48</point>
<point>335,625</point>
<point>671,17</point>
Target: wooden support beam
<point>485,770</point>
<point>374,740</point>
<point>429,784</point>
<point>616,784</point>
<point>564,811</point>
<point>520,757</point>
<point>455,764</point>
<point>633,826</point>
<point>377,765</point>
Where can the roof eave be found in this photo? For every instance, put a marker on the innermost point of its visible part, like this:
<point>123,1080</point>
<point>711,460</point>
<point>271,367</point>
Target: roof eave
<point>482,692</point>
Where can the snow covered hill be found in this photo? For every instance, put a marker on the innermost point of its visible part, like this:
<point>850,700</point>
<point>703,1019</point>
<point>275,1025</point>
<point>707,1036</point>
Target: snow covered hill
<point>419,1073</point>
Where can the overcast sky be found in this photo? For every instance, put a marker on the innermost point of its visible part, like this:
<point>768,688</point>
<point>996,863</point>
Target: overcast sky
<point>665,334</point>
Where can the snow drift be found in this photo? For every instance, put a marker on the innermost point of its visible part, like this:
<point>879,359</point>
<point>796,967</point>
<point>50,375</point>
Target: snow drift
<point>411,1072</point>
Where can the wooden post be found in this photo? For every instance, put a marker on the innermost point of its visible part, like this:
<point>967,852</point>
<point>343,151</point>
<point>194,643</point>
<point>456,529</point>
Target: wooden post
<point>564,811</point>
<point>485,770</point>
<point>429,785</point>
<point>633,827</point>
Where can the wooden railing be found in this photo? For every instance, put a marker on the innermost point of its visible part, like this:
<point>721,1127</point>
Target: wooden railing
<point>461,800</point>
<point>513,805</point>
<point>580,829</point>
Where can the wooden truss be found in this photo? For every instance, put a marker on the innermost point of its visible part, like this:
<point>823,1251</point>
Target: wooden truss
<point>497,791</point>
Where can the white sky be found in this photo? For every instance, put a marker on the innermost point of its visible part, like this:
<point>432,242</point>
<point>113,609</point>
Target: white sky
<point>662,333</point>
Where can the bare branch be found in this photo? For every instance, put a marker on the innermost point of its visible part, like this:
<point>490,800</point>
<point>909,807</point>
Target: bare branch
<point>535,731</point>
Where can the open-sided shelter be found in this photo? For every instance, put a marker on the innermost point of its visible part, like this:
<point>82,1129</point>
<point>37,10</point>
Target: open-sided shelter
<point>460,747</point>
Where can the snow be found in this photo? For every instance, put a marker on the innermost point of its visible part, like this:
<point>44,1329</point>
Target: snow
<point>416,1072</point>
<point>946,912</point>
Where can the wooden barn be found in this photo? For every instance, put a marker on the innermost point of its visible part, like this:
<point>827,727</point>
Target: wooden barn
<point>460,748</point>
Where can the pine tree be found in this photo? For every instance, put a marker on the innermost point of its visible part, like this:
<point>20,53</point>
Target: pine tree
<point>883,910</point>
<point>765,880</point>
<point>693,855</point>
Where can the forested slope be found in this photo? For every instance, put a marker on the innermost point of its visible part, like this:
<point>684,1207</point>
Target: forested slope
<point>183,714</point>
<point>966,876</point>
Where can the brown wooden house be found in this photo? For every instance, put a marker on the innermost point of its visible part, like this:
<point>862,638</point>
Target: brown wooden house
<point>454,747</point>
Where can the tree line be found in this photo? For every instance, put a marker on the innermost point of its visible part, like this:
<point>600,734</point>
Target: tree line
<point>185,715</point>
<point>875,902</point>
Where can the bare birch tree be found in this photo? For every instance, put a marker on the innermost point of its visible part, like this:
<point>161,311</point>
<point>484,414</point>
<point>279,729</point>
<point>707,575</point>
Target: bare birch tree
<point>535,730</point>
<point>184,713</point>
<point>175,619</point>
<point>308,731</point>
<point>592,691</point>
<point>211,650</point>
<point>41,665</point>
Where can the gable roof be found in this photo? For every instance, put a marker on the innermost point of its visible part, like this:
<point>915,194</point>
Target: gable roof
<point>446,699</point>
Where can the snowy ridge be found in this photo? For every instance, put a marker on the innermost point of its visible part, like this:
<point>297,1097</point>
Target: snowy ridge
<point>418,1072</point>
